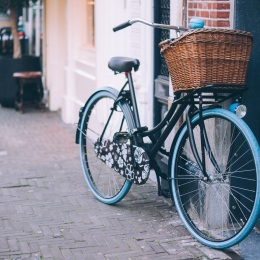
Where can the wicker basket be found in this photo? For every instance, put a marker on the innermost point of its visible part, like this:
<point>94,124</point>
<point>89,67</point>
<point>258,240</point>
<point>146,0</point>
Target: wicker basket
<point>207,56</point>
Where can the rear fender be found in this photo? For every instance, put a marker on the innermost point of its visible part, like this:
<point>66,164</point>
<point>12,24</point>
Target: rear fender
<point>82,109</point>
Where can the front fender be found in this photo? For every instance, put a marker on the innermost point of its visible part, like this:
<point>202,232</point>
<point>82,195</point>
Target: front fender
<point>176,138</point>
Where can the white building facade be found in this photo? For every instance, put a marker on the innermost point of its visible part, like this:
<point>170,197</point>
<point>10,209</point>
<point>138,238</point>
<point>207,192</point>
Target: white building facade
<point>79,41</point>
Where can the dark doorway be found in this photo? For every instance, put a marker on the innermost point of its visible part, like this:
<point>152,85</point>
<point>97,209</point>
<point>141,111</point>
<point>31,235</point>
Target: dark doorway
<point>247,18</point>
<point>161,74</point>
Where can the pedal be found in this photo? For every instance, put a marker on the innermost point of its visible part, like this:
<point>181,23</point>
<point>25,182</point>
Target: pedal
<point>139,130</point>
<point>121,137</point>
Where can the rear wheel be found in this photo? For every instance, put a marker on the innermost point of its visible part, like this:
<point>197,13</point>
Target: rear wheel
<point>106,184</point>
<point>222,209</point>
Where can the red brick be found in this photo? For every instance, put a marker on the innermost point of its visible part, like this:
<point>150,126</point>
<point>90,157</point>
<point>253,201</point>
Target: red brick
<point>214,23</point>
<point>213,14</point>
<point>221,6</point>
<point>204,5</point>
<point>223,14</point>
<point>221,23</point>
<point>191,13</point>
<point>190,5</point>
<point>205,14</point>
<point>208,23</point>
<point>216,14</point>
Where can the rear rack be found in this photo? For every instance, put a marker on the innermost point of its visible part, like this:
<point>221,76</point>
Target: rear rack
<point>210,94</point>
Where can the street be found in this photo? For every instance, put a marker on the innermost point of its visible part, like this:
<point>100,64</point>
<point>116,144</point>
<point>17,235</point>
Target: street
<point>48,212</point>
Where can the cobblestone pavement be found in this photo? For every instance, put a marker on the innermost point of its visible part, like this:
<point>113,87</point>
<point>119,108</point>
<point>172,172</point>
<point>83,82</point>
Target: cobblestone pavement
<point>48,212</point>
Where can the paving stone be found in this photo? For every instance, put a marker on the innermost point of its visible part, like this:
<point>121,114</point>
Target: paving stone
<point>45,251</point>
<point>56,252</point>
<point>24,247</point>
<point>13,244</point>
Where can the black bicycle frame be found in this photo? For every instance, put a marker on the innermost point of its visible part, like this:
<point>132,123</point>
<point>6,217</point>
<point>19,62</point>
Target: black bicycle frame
<point>200,97</point>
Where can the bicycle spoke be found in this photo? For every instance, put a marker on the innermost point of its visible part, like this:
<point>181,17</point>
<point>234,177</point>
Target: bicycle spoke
<point>243,197</point>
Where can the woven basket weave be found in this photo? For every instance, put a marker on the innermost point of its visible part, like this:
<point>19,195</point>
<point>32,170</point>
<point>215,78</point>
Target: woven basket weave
<point>207,56</point>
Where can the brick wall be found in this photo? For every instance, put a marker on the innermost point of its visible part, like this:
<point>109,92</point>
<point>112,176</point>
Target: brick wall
<point>215,13</point>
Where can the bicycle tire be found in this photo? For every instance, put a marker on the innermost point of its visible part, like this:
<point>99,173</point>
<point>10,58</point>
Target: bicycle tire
<point>105,183</point>
<point>221,211</point>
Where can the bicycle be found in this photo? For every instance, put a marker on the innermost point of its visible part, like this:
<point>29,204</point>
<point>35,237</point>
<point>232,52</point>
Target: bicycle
<point>213,163</point>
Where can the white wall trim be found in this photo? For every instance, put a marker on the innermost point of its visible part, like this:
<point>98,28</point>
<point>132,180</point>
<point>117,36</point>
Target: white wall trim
<point>85,74</point>
<point>232,13</point>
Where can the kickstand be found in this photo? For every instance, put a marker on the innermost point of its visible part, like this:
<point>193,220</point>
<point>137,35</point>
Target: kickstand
<point>165,190</point>
<point>157,173</point>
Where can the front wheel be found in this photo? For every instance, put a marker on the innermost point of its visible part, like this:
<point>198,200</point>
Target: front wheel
<point>219,210</point>
<point>101,113</point>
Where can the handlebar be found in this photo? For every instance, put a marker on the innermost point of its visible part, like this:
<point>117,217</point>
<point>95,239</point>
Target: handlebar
<point>154,25</point>
<point>194,23</point>
<point>122,26</point>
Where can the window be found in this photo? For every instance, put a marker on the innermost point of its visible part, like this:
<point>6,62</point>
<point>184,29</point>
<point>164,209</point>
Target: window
<point>91,23</point>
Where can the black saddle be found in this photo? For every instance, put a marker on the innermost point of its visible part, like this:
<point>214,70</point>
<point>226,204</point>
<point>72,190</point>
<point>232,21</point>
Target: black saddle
<point>123,64</point>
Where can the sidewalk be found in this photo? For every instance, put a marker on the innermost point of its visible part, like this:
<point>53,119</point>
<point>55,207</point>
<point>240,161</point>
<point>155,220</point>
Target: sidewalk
<point>48,212</point>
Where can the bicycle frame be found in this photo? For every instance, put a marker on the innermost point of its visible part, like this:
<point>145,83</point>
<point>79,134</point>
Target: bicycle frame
<point>210,95</point>
<point>182,100</point>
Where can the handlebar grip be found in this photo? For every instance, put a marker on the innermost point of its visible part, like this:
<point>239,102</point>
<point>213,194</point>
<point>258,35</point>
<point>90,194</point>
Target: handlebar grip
<point>196,23</point>
<point>122,26</point>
